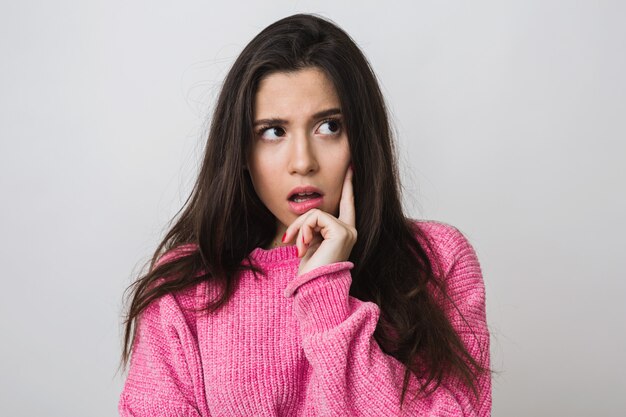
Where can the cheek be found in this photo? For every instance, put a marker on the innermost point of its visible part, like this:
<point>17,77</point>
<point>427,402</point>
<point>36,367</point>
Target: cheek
<point>261,173</point>
<point>344,151</point>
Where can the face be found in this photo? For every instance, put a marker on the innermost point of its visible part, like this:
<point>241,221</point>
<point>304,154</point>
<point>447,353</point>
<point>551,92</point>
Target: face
<point>299,142</point>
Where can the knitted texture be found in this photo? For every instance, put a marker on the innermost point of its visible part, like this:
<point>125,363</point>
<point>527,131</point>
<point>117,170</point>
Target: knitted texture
<point>288,345</point>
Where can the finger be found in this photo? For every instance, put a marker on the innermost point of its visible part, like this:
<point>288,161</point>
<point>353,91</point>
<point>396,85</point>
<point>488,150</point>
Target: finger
<point>314,223</point>
<point>302,240</point>
<point>312,229</point>
<point>346,204</point>
<point>292,230</point>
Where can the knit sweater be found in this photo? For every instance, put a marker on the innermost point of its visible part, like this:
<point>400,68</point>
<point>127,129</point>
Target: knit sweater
<point>289,345</point>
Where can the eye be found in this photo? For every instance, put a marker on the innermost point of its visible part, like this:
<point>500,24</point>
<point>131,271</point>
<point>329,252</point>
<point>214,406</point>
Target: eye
<point>271,133</point>
<point>330,127</point>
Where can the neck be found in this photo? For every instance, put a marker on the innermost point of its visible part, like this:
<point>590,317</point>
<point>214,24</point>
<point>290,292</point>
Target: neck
<point>276,243</point>
<point>278,239</point>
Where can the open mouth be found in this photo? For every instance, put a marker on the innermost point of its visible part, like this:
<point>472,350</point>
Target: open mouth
<point>301,197</point>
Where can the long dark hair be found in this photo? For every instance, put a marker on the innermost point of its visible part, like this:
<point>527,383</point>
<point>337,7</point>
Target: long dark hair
<point>224,219</point>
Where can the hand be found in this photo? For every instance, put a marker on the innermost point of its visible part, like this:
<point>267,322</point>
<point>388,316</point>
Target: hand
<point>321,238</point>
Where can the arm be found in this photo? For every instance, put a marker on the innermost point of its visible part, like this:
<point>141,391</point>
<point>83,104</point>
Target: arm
<point>351,374</point>
<point>165,377</point>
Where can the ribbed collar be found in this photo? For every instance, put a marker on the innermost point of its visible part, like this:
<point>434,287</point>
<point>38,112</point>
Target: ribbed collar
<point>274,255</point>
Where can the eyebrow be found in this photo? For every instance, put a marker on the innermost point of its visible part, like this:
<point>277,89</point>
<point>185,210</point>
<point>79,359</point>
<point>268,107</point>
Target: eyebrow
<point>276,121</point>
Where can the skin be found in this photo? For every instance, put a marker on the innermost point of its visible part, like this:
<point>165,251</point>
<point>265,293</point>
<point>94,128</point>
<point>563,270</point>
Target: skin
<point>301,150</point>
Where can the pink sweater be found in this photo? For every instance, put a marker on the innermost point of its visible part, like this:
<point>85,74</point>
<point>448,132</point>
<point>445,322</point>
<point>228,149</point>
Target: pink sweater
<point>288,345</point>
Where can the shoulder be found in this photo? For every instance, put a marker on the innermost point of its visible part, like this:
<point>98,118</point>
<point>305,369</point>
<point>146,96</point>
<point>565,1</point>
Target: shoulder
<point>444,243</point>
<point>176,309</point>
<point>455,262</point>
<point>173,312</point>
<point>175,253</point>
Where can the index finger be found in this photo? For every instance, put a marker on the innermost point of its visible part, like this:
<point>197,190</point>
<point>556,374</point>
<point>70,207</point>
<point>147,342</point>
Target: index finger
<point>346,204</point>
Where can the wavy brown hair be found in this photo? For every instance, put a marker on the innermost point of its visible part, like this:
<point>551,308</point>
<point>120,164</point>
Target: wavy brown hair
<point>224,219</point>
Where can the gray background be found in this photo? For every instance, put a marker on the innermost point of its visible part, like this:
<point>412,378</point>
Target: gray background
<point>511,125</point>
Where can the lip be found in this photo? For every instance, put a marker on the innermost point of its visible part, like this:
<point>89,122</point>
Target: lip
<point>304,206</point>
<point>305,189</point>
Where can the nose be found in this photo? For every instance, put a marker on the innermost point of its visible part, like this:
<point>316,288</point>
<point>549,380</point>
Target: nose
<point>302,155</point>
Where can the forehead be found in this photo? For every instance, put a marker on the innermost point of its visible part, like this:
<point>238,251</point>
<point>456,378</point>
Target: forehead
<point>308,90</point>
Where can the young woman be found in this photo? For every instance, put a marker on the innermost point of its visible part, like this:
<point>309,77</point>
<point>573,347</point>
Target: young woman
<point>292,284</point>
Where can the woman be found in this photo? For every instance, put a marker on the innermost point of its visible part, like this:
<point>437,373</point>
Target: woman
<point>292,283</point>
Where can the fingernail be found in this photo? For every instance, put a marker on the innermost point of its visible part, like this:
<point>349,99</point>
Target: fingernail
<point>284,236</point>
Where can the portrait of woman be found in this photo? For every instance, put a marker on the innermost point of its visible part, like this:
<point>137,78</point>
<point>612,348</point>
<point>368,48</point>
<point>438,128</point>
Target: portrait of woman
<point>313,208</point>
<point>292,283</point>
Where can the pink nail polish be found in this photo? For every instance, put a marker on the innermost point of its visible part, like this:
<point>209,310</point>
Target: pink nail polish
<point>283,239</point>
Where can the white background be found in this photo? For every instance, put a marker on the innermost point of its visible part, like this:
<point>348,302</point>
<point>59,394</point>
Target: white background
<point>511,126</point>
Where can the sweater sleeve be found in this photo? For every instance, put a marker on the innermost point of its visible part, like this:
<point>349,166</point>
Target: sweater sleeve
<point>351,374</point>
<point>165,376</point>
